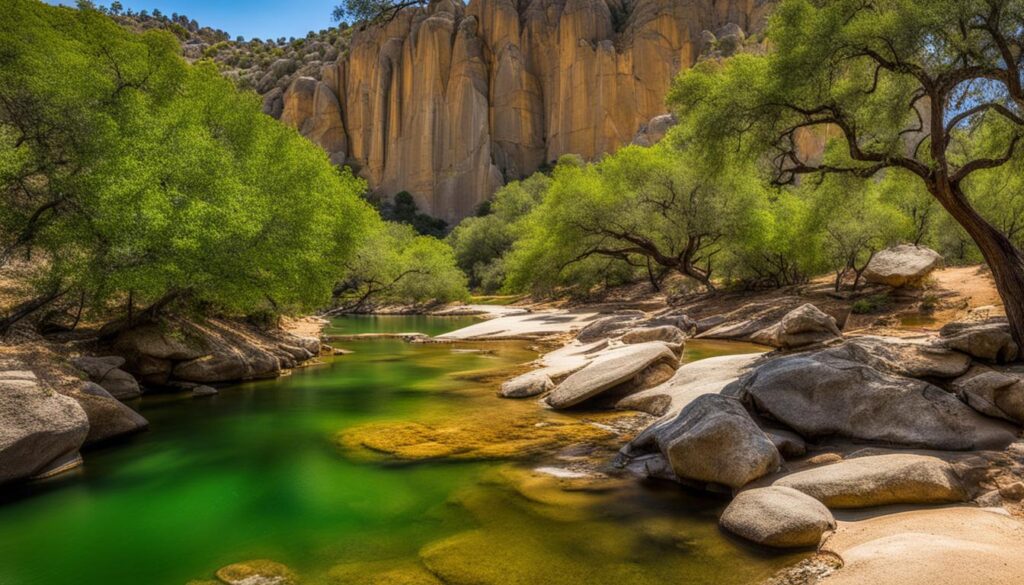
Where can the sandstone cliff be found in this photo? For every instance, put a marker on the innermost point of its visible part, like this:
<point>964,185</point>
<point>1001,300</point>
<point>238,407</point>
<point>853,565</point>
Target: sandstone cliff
<point>451,100</point>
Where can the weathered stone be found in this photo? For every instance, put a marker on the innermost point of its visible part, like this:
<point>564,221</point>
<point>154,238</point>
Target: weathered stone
<point>995,393</point>
<point>880,480</point>
<point>608,370</point>
<point>37,426</point>
<point>989,341</point>
<point>107,372</point>
<point>529,384</point>
<point>779,517</point>
<point>610,326</point>
<point>669,334</point>
<point>903,357</point>
<point>707,376</point>
<point>904,265</point>
<point>820,395</point>
<point>108,417</point>
<point>801,327</point>
<point>789,444</point>
<point>712,440</point>
<point>202,391</point>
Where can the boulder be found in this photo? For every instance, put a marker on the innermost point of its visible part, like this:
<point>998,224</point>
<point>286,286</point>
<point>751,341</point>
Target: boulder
<point>107,372</point>
<point>611,369</point>
<point>992,392</point>
<point>903,357</point>
<point>802,327</point>
<point>202,391</point>
<point>990,341</point>
<point>610,326</point>
<point>529,384</point>
<point>789,444</point>
<point>713,440</point>
<point>903,265</point>
<point>707,376</point>
<point>668,334</point>
<point>37,426</point>
<point>879,480</point>
<point>779,517</point>
<point>108,417</point>
<point>820,395</point>
<point>257,572</point>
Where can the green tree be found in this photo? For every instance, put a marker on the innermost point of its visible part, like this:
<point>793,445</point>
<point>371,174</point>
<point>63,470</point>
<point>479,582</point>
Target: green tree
<point>900,85</point>
<point>481,242</point>
<point>137,181</point>
<point>645,208</point>
<point>371,10</point>
<point>395,264</point>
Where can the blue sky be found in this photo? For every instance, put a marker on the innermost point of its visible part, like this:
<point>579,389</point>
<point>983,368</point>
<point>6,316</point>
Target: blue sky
<point>249,18</point>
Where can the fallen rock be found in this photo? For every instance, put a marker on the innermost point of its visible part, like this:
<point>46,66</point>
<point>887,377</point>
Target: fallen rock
<point>610,369</point>
<point>707,376</point>
<point>802,327</point>
<point>526,385</point>
<point>107,372</point>
<point>880,480</point>
<point>667,334</point>
<point>37,426</point>
<point>903,357</point>
<point>108,416</point>
<point>819,395</point>
<point>712,440</point>
<point>903,265</point>
<point>995,393</point>
<point>989,341</point>
<point>779,517</point>
<point>257,572</point>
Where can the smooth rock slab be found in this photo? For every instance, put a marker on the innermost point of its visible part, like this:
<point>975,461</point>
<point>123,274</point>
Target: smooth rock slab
<point>819,395</point>
<point>713,440</point>
<point>669,334</point>
<point>880,480</point>
<point>903,357</point>
<point>37,426</point>
<point>707,376</point>
<point>108,416</point>
<point>779,517</point>
<point>608,370</point>
<point>903,265</point>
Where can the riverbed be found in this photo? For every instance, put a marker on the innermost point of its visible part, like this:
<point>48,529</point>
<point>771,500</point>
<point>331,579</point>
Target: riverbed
<point>257,472</point>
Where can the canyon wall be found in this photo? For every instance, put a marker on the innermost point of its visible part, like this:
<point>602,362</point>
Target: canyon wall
<point>449,101</point>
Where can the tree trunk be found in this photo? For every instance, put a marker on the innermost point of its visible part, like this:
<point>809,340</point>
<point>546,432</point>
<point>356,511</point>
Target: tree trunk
<point>28,307</point>
<point>1004,259</point>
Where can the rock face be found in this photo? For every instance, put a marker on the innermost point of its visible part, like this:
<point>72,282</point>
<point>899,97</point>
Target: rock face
<point>802,327</point>
<point>904,265</point>
<point>824,395</point>
<point>107,372</point>
<point>880,480</point>
<point>108,417</point>
<point>779,517</point>
<point>37,426</point>
<point>209,352</point>
<point>449,101</point>
<point>617,366</point>
<point>713,440</point>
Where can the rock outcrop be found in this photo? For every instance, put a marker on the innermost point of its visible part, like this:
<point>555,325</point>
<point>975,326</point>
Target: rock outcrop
<point>108,417</point>
<point>802,327</point>
<point>638,366</point>
<point>451,100</point>
<point>107,372</point>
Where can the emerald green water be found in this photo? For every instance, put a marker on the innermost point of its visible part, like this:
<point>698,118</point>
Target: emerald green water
<point>255,473</point>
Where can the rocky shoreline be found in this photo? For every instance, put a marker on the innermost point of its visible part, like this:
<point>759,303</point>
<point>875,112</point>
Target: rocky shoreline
<point>58,398</point>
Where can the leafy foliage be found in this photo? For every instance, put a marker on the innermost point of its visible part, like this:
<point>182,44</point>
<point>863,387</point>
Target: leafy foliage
<point>131,177</point>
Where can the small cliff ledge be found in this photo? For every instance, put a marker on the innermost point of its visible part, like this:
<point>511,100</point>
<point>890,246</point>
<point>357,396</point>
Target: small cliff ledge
<point>451,100</point>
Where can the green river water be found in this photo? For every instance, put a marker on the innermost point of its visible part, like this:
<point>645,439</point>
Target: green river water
<point>256,472</point>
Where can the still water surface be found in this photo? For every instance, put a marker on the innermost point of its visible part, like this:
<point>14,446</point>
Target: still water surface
<point>255,472</point>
